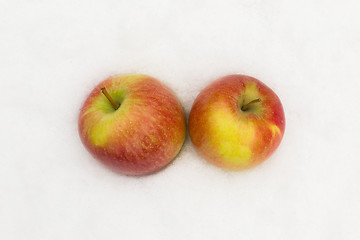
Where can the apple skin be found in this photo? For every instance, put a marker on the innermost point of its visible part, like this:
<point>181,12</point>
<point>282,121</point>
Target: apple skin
<point>228,137</point>
<point>143,135</point>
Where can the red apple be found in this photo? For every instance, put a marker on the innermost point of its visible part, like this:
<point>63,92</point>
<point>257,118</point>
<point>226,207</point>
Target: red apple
<point>132,123</point>
<point>236,122</point>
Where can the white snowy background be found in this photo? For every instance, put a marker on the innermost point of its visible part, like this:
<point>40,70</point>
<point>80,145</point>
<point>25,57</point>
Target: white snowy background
<point>52,54</point>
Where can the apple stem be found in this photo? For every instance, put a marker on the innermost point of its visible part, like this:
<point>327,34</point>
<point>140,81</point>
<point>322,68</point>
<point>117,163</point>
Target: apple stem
<point>246,106</point>
<point>111,100</point>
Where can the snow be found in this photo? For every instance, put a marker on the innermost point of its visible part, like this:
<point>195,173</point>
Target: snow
<point>52,54</point>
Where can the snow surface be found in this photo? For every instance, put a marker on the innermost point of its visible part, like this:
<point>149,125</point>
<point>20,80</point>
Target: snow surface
<point>52,54</point>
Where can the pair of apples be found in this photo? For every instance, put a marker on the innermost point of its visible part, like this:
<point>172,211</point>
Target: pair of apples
<point>135,125</point>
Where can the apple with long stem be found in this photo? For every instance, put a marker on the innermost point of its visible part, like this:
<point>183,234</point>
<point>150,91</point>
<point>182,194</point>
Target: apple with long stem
<point>236,122</point>
<point>132,123</point>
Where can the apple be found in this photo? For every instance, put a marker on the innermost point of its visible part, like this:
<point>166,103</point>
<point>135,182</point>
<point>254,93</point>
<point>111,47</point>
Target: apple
<point>236,122</point>
<point>132,123</point>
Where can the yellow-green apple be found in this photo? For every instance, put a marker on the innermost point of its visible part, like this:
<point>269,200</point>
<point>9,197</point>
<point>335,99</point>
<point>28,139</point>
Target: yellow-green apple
<point>236,122</point>
<point>132,123</point>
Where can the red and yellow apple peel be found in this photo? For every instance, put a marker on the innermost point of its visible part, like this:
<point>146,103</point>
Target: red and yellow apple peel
<point>132,123</point>
<point>236,122</point>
